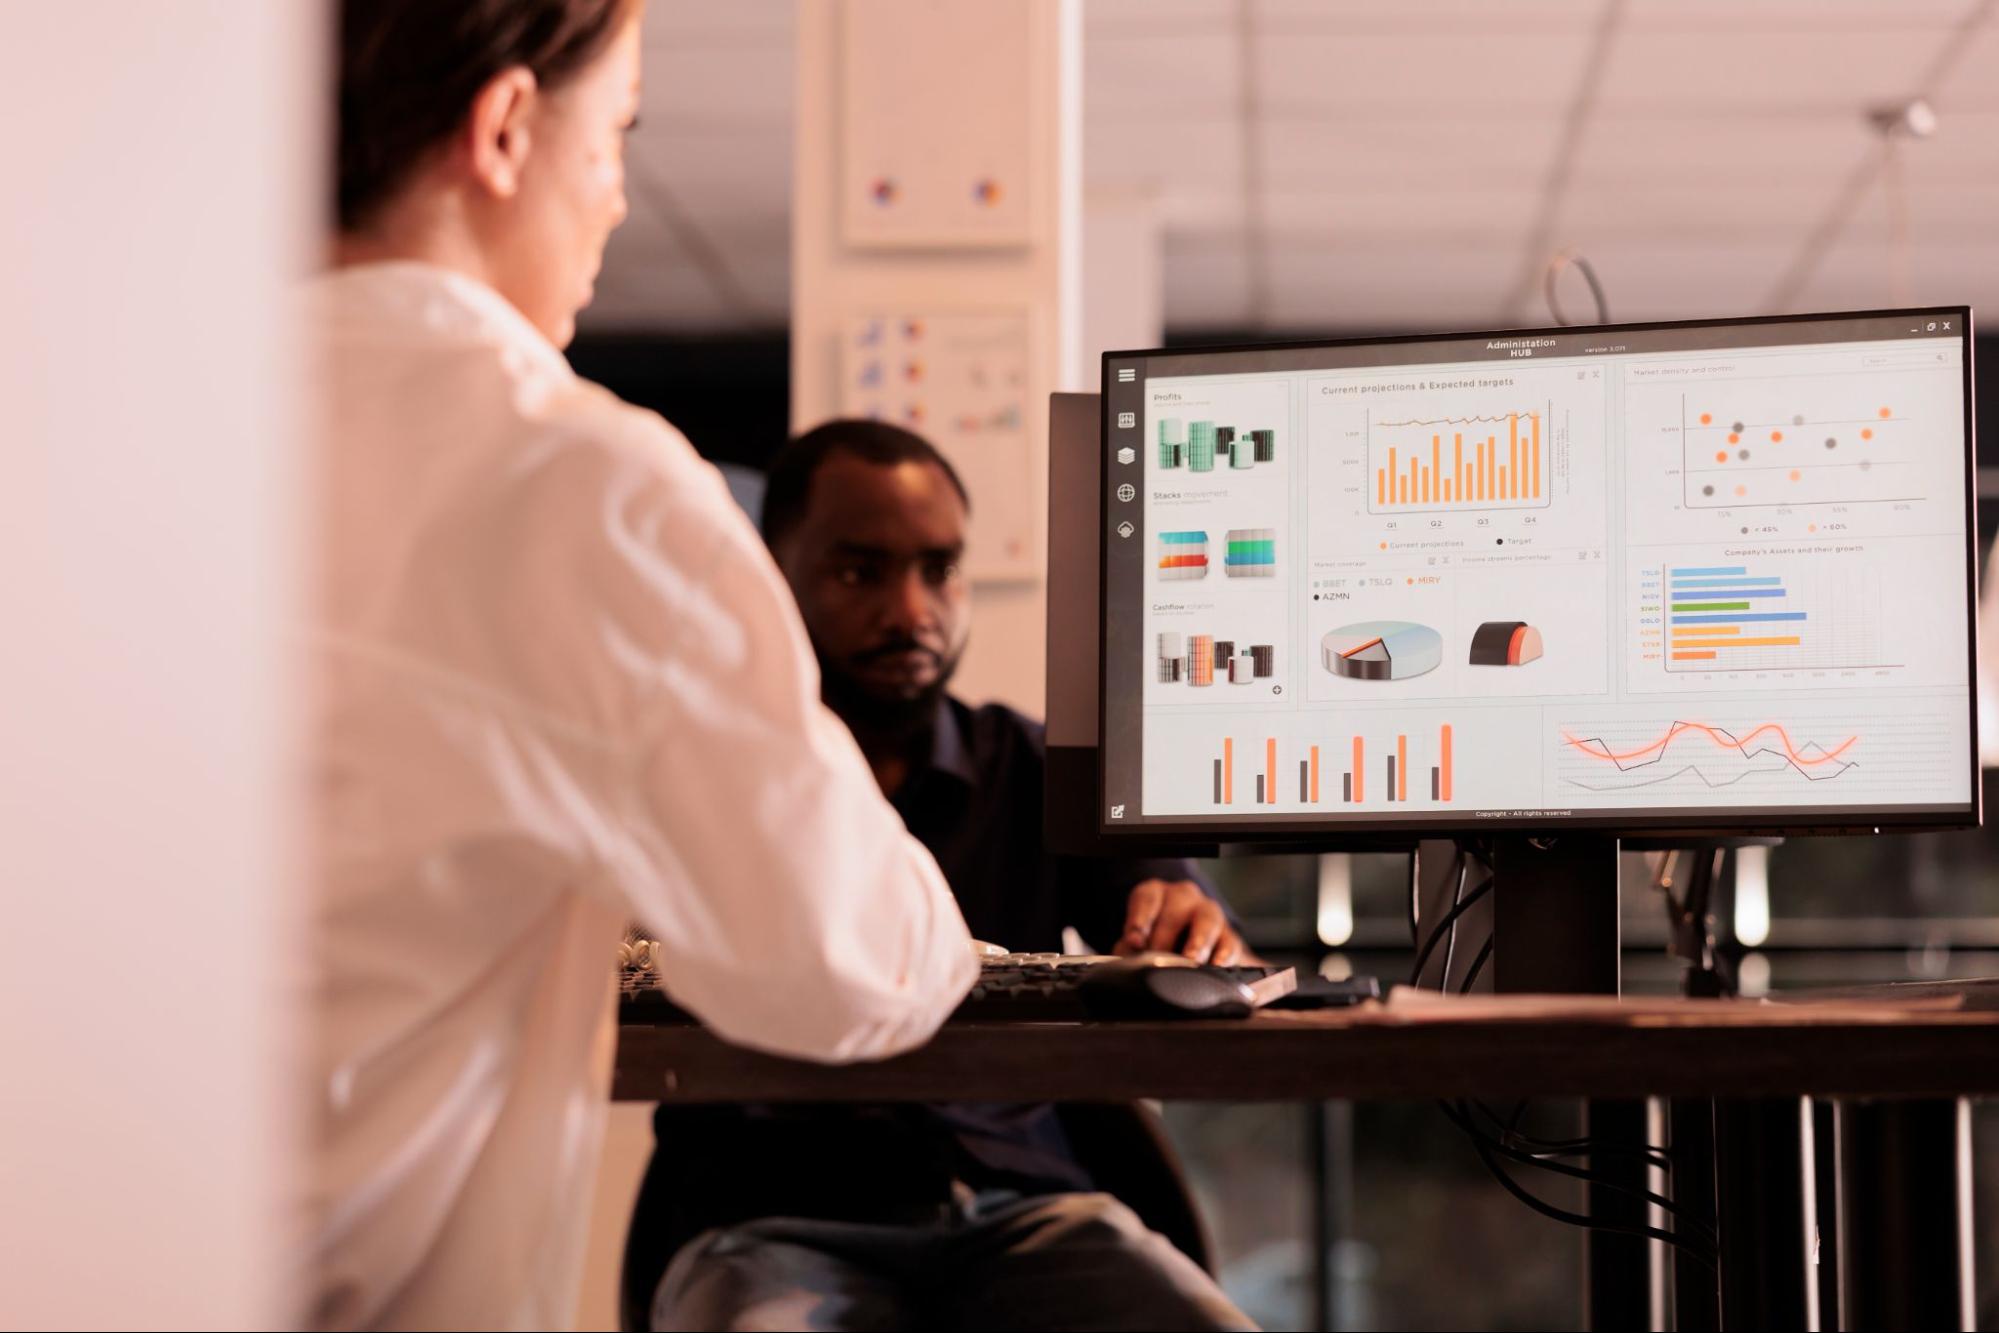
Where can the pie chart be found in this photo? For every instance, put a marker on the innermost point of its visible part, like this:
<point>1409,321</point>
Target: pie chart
<point>1381,650</point>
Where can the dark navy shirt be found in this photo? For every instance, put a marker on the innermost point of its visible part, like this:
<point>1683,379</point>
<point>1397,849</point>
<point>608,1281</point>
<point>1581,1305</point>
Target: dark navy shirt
<point>976,804</point>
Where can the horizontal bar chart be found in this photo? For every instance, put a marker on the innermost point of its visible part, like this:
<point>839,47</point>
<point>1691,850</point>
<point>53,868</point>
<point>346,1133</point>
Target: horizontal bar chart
<point>1718,613</point>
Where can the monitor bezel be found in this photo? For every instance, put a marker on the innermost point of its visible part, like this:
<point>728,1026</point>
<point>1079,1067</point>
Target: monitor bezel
<point>1361,833</point>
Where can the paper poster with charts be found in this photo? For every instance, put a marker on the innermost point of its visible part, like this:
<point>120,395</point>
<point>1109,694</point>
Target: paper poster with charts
<point>960,380</point>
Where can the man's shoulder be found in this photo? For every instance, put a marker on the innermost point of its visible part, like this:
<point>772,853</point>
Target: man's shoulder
<point>996,732</point>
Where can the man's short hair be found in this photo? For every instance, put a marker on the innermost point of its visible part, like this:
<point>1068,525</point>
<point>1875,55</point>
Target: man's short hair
<point>788,482</point>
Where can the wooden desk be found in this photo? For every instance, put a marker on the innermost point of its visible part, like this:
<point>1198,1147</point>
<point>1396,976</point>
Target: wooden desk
<point>1741,1067</point>
<point>1515,1046</point>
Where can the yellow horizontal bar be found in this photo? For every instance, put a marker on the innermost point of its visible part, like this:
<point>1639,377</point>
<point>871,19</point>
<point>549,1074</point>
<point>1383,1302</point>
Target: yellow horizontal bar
<point>1790,642</point>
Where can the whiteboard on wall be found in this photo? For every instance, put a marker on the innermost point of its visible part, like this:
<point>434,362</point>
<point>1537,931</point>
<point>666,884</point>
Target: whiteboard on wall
<point>959,379</point>
<point>936,123</point>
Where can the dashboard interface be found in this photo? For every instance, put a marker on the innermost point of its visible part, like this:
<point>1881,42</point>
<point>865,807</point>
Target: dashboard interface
<point>1689,575</point>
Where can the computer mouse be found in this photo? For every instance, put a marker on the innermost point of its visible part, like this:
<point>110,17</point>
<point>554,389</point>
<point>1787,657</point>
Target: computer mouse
<point>1162,985</point>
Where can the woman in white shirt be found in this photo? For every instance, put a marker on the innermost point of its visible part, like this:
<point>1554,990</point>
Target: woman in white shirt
<point>561,687</point>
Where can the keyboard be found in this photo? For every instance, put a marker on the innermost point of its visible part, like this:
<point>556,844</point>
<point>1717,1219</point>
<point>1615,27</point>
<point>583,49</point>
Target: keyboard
<point>1044,988</point>
<point>1012,988</point>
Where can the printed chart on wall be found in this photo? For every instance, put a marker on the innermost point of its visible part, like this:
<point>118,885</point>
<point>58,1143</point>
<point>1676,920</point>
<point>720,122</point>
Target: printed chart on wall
<point>960,380</point>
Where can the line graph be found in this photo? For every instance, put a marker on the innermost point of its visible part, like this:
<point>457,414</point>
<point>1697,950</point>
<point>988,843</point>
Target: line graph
<point>1813,754</point>
<point>1710,783</point>
<point>1811,761</point>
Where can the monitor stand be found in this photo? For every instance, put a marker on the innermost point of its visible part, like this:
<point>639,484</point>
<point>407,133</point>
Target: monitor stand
<point>1555,915</point>
<point>1555,929</point>
<point>1555,926</point>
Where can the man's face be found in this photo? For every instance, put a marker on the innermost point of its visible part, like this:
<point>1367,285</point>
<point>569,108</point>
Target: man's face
<point>874,563</point>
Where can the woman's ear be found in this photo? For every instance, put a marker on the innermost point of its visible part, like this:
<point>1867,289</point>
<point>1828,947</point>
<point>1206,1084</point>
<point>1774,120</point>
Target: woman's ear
<point>497,130</point>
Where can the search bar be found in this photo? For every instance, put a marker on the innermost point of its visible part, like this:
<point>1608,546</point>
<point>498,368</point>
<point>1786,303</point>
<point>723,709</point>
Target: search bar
<point>1875,360</point>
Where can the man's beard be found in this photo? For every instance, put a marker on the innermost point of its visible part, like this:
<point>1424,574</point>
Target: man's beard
<point>884,717</point>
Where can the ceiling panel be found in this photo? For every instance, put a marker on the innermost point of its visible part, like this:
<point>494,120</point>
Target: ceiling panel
<point>1422,16</point>
<point>1389,286</point>
<point>1738,152</point>
<point>1973,79</point>
<point>650,280</point>
<point>1660,278</point>
<point>1401,152</point>
<point>1180,74</point>
<point>1117,18</point>
<point>1816,15</point>
<point>671,23</point>
<point>1193,168</point>
<point>1761,68</point>
<point>1207,281</point>
<point>1489,72</point>
<point>731,169</point>
<point>1716,212</point>
<point>1394,151</point>
<point>705,85</point>
<point>1864,274</point>
<point>1415,216</point>
<point>1965,148</point>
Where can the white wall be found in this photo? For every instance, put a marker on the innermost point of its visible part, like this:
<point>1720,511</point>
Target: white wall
<point>831,281</point>
<point>157,172</point>
<point>1124,277</point>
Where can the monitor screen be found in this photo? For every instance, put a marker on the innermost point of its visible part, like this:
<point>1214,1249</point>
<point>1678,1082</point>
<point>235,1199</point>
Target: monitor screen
<point>1690,576</point>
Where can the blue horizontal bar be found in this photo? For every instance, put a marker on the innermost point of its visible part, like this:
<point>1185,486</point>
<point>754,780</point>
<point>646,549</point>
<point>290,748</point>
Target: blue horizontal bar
<point>1726,583</point>
<point>1739,618</point>
<point>1733,593</point>
<point>1718,569</point>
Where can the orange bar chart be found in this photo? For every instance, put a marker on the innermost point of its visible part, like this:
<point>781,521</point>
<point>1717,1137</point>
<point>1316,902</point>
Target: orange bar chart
<point>1395,770</point>
<point>1412,476</point>
<point>1537,455</point>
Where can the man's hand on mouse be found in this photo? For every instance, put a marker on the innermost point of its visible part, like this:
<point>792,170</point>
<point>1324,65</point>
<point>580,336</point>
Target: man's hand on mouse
<point>1178,917</point>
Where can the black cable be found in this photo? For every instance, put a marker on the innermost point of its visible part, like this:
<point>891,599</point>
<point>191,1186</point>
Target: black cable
<point>1699,1229</point>
<point>1457,898</point>
<point>1521,1193</point>
<point>1569,259</point>
<point>1510,1132</point>
<point>1526,1149</point>
<point>1477,965</point>
<point>1437,932</point>
<point>1538,1152</point>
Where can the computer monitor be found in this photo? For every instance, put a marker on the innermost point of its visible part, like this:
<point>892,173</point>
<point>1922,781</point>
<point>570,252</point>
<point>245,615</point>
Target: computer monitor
<point>1689,578</point>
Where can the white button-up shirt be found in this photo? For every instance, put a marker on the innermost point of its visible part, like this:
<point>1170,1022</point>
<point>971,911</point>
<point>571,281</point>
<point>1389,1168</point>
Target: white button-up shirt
<point>561,687</point>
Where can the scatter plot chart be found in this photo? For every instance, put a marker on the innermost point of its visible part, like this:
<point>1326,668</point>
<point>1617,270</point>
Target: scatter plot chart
<point>1803,440</point>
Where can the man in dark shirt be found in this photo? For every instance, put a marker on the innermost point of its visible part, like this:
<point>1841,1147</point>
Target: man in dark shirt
<point>961,1214</point>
